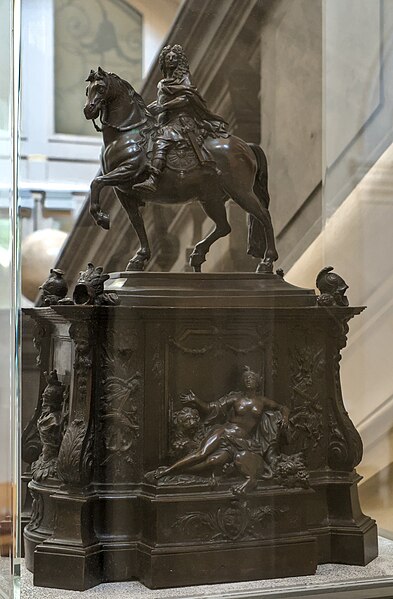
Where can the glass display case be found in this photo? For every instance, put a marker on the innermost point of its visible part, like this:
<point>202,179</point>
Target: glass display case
<point>196,323</point>
<point>9,305</point>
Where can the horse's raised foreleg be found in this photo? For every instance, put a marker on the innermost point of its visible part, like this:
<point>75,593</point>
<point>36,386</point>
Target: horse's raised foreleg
<point>94,205</point>
<point>143,254</point>
<point>118,176</point>
<point>250,203</point>
<point>215,209</point>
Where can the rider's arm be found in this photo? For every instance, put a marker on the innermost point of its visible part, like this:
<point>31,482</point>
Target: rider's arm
<point>178,102</point>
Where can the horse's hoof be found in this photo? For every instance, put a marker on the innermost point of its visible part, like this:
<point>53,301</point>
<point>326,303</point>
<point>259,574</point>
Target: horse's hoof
<point>196,261</point>
<point>104,224</point>
<point>136,265</point>
<point>265,267</point>
<point>103,221</point>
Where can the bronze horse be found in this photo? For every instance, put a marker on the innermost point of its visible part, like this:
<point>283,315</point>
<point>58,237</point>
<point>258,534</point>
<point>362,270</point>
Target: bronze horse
<point>241,174</point>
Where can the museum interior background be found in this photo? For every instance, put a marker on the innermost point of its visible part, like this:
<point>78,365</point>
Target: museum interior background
<point>312,83</point>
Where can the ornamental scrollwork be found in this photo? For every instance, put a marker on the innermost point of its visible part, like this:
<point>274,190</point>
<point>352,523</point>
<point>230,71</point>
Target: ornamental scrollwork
<point>39,333</point>
<point>116,355</point>
<point>274,360</point>
<point>74,464</point>
<point>236,522</point>
<point>345,449</point>
<point>75,459</point>
<point>338,449</point>
<point>307,370</point>
<point>158,368</point>
<point>81,333</point>
<point>307,365</point>
<point>219,343</point>
<point>119,405</point>
<point>307,425</point>
<point>119,417</point>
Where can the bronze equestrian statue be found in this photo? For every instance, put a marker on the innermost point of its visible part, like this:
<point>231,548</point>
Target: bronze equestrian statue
<point>176,151</point>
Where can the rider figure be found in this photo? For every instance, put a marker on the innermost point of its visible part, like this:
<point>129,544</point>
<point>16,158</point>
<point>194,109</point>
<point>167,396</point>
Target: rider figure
<point>182,115</point>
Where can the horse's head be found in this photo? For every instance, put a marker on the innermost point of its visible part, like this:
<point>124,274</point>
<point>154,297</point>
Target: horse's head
<point>96,93</point>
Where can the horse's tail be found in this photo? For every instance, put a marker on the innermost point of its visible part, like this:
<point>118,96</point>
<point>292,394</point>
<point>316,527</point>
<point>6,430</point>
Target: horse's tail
<point>256,232</point>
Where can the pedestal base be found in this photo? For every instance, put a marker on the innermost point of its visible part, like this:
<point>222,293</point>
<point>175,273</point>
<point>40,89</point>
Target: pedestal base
<point>289,557</point>
<point>121,562</point>
<point>229,483</point>
<point>72,568</point>
<point>206,538</point>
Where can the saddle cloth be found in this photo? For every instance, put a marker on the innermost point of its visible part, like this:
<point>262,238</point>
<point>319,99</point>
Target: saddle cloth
<point>181,157</point>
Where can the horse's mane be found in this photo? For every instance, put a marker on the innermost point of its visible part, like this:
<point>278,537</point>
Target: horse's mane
<point>122,85</point>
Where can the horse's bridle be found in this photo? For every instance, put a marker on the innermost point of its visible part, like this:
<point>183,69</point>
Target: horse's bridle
<point>119,128</point>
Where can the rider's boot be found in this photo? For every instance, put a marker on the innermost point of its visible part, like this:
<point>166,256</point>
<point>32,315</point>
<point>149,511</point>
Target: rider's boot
<point>150,185</point>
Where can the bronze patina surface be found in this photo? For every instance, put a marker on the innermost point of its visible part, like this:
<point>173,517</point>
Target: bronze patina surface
<point>191,428</point>
<point>195,443</point>
<point>188,152</point>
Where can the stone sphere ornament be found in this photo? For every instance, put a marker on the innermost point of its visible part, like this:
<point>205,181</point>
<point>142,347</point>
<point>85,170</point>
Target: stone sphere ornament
<point>39,253</point>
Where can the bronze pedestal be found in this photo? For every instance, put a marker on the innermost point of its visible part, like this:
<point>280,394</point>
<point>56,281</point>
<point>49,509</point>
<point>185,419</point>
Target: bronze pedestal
<point>165,469</point>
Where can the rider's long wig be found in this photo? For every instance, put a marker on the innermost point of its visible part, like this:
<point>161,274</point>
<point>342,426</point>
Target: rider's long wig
<point>182,68</point>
